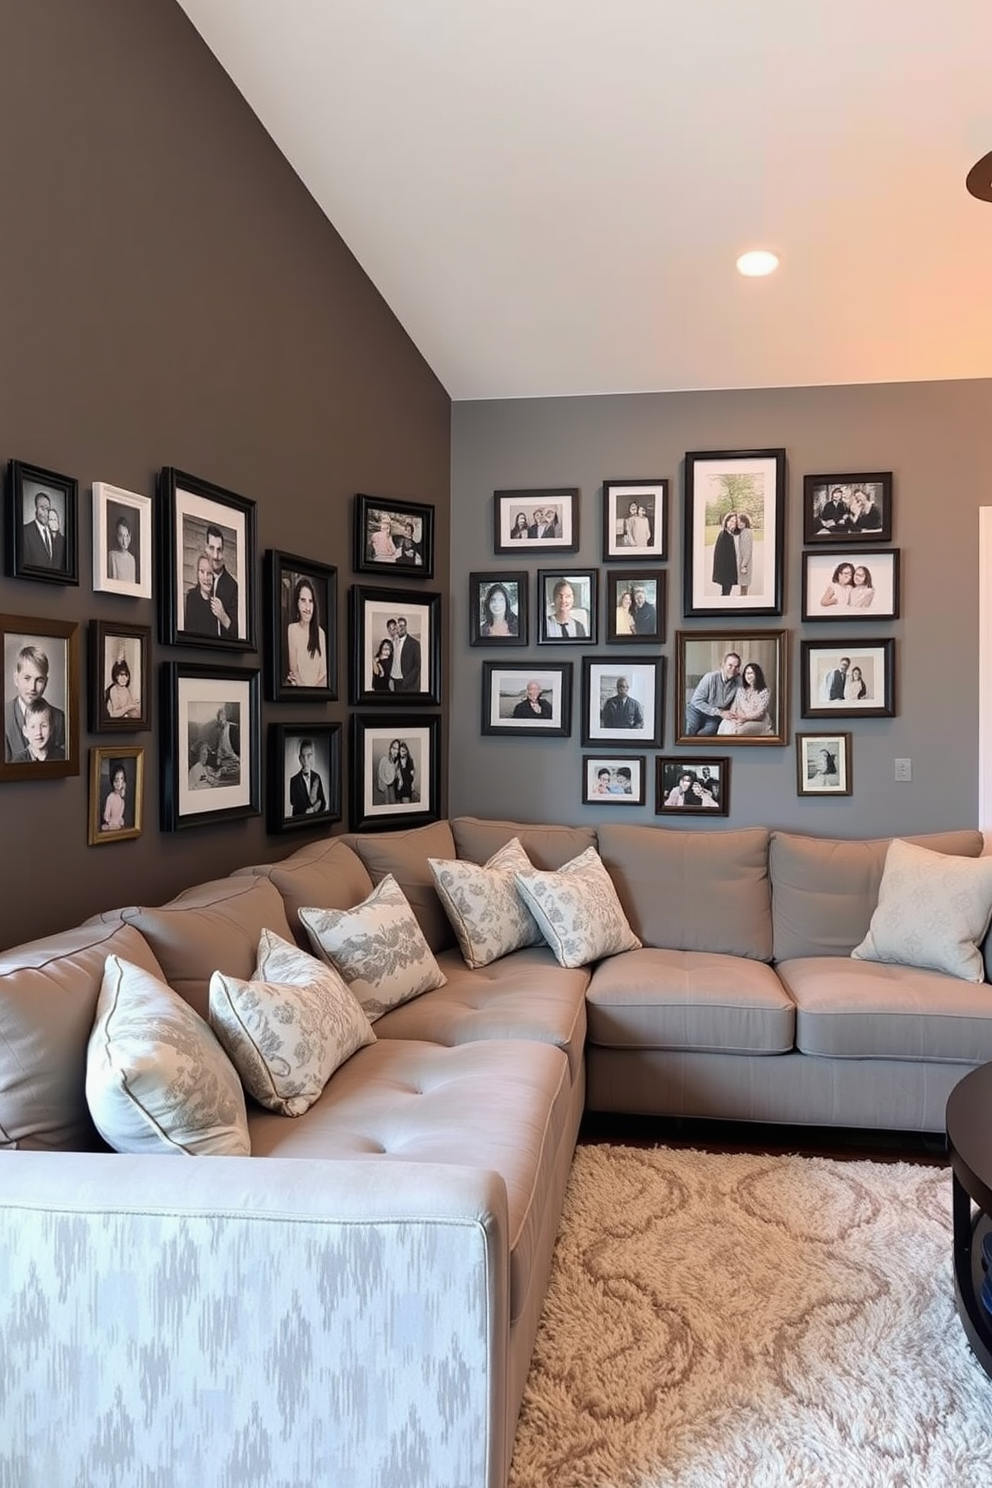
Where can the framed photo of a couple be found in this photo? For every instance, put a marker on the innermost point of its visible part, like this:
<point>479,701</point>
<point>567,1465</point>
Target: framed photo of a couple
<point>42,539</point>
<point>304,775</point>
<point>395,646</point>
<point>733,531</point>
<point>848,679</point>
<point>394,537</point>
<point>731,687</point>
<point>301,604</point>
<point>395,770</point>
<point>536,521</point>
<point>210,745</point>
<point>635,520</point>
<point>207,547</point>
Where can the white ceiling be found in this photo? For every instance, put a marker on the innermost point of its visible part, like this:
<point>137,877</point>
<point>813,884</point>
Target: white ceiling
<point>551,194</point>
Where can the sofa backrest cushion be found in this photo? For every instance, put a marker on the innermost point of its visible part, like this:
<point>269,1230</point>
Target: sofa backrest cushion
<point>693,891</point>
<point>215,926</point>
<point>404,855</point>
<point>547,847</point>
<point>825,889</point>
<point>328,873</point>
<point>48,996</point>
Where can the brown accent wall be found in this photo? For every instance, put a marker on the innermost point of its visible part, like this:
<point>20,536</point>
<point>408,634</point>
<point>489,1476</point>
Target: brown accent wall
<point>171,295</point>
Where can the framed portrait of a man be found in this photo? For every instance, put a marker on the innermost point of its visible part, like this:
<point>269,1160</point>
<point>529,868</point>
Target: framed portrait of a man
<point>730,687</point>
<point>527,699</point>
<point>733,532</point>
<point>304,787</point>
<point>207,548</point>
<point>41,700</point>
<point>622,700</point>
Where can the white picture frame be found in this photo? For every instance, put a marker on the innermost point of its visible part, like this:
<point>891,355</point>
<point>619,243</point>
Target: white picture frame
<point>113,505</point>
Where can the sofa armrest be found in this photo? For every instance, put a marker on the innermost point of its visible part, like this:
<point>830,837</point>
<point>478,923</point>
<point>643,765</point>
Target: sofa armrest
<point>251,1320</point>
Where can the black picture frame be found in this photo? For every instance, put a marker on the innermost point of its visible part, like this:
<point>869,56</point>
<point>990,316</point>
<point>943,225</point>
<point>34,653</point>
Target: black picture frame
<point>719,486</point>
<point>607,704</point>
<point>372,737</point>
<point>515,530</point>
<point>514,584</point>
<point>853,601</point>
<point>692,787</point>
<point>293,801</point>
<point>376,618</point>
<point>626,538</point>
<point>292,673</point>
<point>534,699</point>
<point>645,616</point>
<point>45,653</point>
<point>858,507</point>
<point>852,678</point>
<point>202,525</point>
<point>581,616</point>
<point>211,766</point>
<point>702,652</point>
<point>614,779</point>
<point>124,822</point>
<point>119,704</point>
<point>824,764</point>
<point>32,492</point>
<point>409,527</point>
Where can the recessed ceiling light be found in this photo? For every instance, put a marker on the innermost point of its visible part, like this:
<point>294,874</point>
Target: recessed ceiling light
<point>757,263</point>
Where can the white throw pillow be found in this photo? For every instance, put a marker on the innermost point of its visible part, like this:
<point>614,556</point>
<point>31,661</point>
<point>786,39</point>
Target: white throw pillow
<point>157,1080</point>
<point>933,911</point>
<point>289,1028</point>
<point>378,948</point>
<point>484,905</point>
<point>578,911</point>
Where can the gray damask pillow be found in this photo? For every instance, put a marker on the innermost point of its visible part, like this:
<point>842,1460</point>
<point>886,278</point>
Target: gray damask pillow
<point>289,1028</point>
<point>157,1080</point>
<point>377,947</point>
<point>578,911</point>
<point>484,905</point>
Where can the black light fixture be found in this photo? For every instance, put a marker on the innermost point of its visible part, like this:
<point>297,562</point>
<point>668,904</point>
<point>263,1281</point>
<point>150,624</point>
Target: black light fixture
<point>979,178</point>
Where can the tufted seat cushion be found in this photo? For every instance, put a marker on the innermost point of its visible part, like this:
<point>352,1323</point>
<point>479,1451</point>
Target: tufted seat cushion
<point>501,1106</point>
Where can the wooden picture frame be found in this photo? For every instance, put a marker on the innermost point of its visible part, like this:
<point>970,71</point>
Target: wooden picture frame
<point>117,795</point>
<point>497,608</point>
<point>706,684</point>
<point>858,584</point>
<point>406,624</point>
<point>692,787</point>
<point>635,520</point>
<point>614,779</point>
<point>377,743</point>
<point>567,606</point>
<point>211,745</point>
<point>120,693</point>
<point>623,700</point>
<point>41,678</point>
<point>823,764</point>
<point>123,556</point>
<point>634,607</point>
<point>301,612</point>
<point>393,537</point>
<point>847,508</point>
<point>207,554</point>
<point>723,490</point>
<point>848,679</point>
<point>304,779</point>
<point>536,521</point>
<point>42,524</point>
<point>531,699</point>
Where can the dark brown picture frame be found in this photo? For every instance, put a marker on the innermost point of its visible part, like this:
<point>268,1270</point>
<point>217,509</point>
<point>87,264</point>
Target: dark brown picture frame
<point>103,828</point>
<point>119,705</point>
<point>616,767</point>
<point>752,647</point>
<point>824,572</point>
<point>836,745</point>
<point>584,615</point>
<point>507,689</point>
<point>55,647</point>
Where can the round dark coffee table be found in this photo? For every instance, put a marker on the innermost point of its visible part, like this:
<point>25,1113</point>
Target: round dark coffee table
<point>969,1144</point>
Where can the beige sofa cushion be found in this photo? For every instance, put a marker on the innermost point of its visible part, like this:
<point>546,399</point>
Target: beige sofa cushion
<point>933,912</point>
<point>545,846</point>
<point>824,889</point>
<point>215,926</point>
<point>328,873</point>
<point>404,855</point>
<point>48,996</point>
<point>693,891</point>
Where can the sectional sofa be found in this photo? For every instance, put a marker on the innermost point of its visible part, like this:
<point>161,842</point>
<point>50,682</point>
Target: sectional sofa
<point>360,1308</point>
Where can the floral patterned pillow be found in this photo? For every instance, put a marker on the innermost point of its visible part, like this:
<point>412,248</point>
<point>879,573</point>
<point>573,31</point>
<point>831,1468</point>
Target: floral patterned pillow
<point>377,947</point>
<point>289,1028</point>
<point>578,911</point>
<point>157,1080</point>
<point>484,905</point>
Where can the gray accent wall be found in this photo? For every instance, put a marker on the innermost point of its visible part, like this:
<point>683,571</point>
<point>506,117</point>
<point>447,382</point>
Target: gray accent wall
<point>170,294</point>
<point>934,437</point>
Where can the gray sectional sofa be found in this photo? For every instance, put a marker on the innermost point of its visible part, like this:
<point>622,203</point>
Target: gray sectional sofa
<point>360,1308</point>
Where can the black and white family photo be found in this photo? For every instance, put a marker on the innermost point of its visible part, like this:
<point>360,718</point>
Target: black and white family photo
<point>685,786</point>
<point>41,524</point>
<point>41,706</point>
<point>394,535</point>
<point>536,519</point>
<point>634,519</point>
<point>847,508</point>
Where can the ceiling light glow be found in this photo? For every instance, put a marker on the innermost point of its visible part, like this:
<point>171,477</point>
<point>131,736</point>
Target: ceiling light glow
<point>757,263</point>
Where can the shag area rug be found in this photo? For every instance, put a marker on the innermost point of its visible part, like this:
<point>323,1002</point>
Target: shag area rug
<point>753,1322</point>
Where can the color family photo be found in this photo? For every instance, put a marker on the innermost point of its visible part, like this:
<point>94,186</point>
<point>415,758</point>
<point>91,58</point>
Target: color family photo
<point>731,688</point>
<point>734,514</point>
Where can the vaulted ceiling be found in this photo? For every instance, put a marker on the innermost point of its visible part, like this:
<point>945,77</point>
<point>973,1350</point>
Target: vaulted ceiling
<point>551,194</point>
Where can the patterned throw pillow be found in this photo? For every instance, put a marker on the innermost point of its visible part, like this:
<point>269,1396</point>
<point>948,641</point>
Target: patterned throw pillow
<point>157,1080</point>
<point>933,912</point>
<point>578,911</point>
<point>378,948</point>
<point>484,905</point>
<point>289,1028</point>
